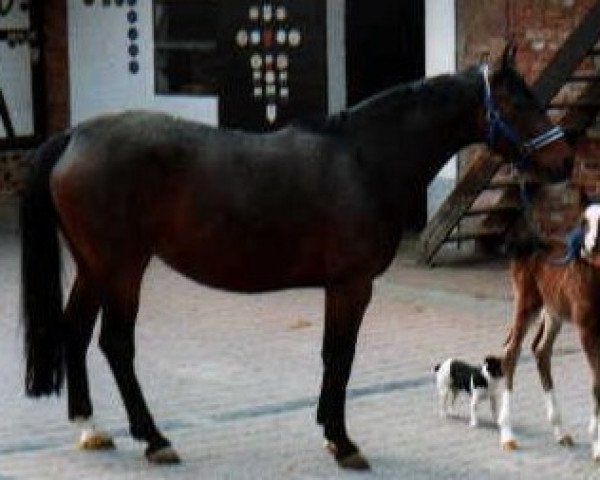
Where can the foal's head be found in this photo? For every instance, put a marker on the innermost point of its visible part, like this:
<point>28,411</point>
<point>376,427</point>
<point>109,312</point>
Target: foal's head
<point>518,127</point>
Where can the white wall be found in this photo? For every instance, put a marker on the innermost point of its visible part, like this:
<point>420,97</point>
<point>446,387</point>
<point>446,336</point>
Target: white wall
<point>440,57</point>
<point>99,66</point>
<point>15,75</point>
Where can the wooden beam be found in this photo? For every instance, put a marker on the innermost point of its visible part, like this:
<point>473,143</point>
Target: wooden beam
<point>481,170</point>
<point>566,60</point>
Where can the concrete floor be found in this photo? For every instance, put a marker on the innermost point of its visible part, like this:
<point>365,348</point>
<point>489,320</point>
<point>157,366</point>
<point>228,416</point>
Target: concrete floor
<point>233,381</point>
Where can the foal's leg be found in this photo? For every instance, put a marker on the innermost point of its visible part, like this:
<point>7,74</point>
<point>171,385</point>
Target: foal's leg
<point>80,316</point>
<point>591,346</point>
<point>525,310</point>
<point>117,342</point>
<point>542,350</point>
<point>344,309</point>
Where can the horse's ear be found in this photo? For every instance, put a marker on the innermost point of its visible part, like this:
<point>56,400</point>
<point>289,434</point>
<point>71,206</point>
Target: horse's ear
<point>508,56</point>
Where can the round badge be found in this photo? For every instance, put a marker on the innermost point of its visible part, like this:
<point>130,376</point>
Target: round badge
<point>255,37</point>
<point>282,61</point>
<point>253,13</point>
<point>294,37</point>
<point>280,13</point>
<point>241,38</point>
<point>270,76</point>
<point>267,13</point>
<point>281,36</point>
<point>255,61</point>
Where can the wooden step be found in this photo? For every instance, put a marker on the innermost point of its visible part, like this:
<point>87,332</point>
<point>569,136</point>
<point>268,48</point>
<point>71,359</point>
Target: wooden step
<point>584,78</point>
<point>503,183</point>
<point>477,233</point>
<point>577,104</point>
<point>501,207</point>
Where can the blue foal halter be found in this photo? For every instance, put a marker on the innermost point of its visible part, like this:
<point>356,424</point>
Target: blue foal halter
<point>497,127</point>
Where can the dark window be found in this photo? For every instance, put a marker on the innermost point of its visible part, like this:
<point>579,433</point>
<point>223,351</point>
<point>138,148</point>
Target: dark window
<point>185,46</point>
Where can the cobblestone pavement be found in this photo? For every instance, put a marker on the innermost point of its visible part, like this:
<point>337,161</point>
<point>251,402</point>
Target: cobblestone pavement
<point>233,379</point>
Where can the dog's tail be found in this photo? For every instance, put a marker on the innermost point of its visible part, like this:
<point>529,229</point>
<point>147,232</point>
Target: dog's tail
<point>436,367</point>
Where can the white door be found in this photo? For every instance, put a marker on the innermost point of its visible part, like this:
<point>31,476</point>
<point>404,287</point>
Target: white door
<point>15,69</point>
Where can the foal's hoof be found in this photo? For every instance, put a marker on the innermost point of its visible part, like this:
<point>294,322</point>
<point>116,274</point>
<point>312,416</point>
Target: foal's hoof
<point>566,440</point>
<point>95,441</point>
<point>352,461</point>
<point>509,445</point>
<point>163,456</point>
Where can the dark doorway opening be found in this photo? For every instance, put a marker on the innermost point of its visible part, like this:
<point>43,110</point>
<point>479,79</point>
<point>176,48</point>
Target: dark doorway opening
<point>385,45</point>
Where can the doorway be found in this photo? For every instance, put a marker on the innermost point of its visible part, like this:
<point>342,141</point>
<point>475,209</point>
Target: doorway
<point>385,45</point>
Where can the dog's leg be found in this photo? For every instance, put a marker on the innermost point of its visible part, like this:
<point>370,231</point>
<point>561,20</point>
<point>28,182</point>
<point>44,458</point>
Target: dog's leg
<point>476,397</point>
<point>445,395</point>
<point>494,406</point>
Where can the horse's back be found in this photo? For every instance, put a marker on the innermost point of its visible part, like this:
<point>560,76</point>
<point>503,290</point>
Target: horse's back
<point>231,209</point>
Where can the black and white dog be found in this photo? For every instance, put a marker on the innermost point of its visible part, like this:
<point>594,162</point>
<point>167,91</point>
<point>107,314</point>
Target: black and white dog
<point>480,382</point>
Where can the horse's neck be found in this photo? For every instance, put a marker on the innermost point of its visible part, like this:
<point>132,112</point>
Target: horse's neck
<point>414,130</point>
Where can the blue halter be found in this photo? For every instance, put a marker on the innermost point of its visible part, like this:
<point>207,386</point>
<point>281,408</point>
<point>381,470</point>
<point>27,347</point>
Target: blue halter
<point>497,128</point>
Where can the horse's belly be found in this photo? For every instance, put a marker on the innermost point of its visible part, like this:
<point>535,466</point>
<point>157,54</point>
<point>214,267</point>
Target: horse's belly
<point>227,265</point>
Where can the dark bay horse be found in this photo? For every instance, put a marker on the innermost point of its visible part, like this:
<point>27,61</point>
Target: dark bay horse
<point>318,206</point>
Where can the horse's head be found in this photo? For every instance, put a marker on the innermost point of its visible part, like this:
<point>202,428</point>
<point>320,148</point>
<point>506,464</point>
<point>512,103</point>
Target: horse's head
<point>517,126</point>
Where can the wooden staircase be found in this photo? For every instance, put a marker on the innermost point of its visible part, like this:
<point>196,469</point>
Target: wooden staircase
<point>460,217</point>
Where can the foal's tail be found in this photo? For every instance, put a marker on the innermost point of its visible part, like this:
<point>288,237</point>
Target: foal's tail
<point>41,292</point>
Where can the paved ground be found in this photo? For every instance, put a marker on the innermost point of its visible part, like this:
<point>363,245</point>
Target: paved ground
<point>233,379</point>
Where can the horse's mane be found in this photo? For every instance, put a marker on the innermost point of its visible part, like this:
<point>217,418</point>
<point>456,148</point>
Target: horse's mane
<point>393,99</point>
<point>422,92</point>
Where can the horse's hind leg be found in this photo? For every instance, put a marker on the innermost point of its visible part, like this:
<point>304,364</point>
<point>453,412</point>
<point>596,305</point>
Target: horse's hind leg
<point>542,350</point>
<point>344,310</point>
<point>591,346</point>
<point>120,305</point>
<point>80,316</point>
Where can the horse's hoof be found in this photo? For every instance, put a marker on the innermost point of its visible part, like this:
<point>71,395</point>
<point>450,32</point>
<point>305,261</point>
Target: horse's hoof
<point>163,456</point>
<point>330,447</point>
<point>566,441</point>
<point>95,441</point>
<point>354,461</point>
<point>509,445</point>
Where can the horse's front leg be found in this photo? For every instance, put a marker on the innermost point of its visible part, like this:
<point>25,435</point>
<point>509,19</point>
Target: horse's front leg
<point>591,346</point>
<point>117,343</point>
<point>542,350</point>
<point>344,309</point>
<point>522,320</point>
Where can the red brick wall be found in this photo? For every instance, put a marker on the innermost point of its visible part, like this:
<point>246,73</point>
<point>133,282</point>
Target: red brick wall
<point>539,28</point>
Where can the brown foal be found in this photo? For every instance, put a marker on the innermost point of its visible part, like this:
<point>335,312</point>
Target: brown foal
<point>556,292</point>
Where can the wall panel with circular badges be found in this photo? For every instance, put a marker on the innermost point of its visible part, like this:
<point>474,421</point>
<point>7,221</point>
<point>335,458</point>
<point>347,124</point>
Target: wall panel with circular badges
<point>278,68</point>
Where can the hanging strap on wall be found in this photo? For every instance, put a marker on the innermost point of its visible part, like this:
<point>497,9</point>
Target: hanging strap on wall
<point>5,9</point>
<point>5,116</point>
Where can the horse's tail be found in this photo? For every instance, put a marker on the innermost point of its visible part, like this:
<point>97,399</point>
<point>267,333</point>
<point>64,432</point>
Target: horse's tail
<point>41,290</point>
